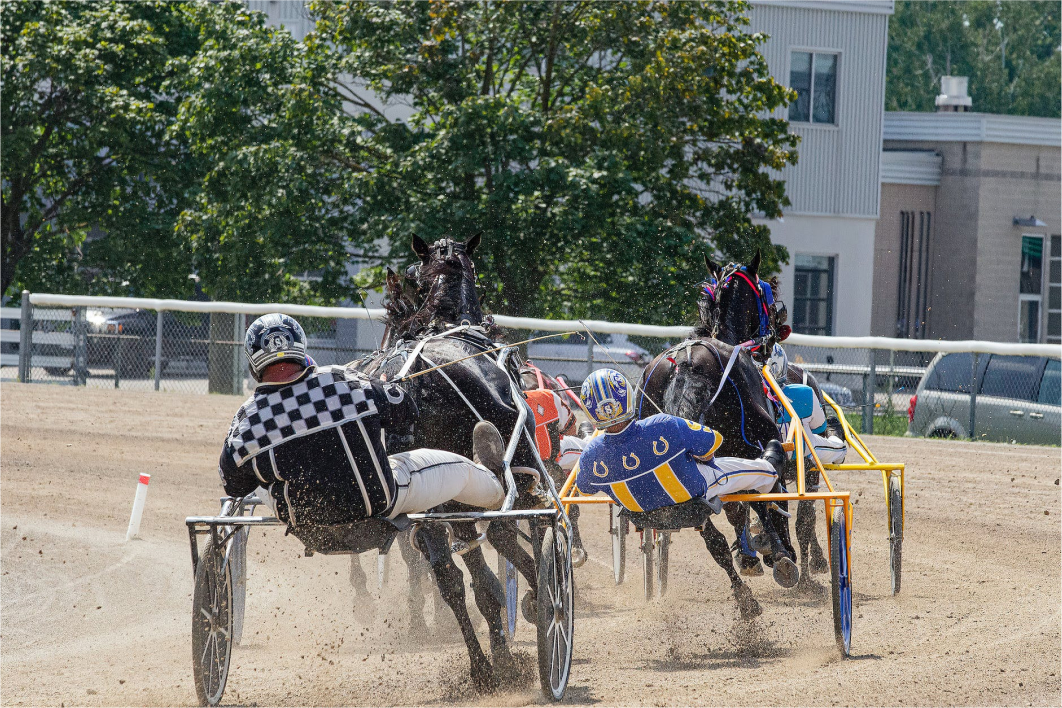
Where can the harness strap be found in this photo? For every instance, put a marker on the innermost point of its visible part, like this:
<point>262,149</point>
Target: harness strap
<point>729,365</point>
<point>420,347</point>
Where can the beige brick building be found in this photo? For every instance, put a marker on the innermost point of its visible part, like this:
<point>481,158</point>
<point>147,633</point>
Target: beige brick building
<point>967,245</point>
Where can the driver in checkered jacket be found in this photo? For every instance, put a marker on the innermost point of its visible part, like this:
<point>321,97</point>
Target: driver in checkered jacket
<point>313,437</point>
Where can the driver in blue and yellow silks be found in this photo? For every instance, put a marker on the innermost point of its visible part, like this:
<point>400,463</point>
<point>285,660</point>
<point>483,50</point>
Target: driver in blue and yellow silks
<point>664,460</point>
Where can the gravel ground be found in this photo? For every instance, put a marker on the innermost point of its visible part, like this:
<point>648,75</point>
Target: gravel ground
<point>88,619</point>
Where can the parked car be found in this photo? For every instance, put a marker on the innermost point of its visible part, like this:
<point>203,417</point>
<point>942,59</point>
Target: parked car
<point>184,335</point>
<point>566,356</point>
<point>1018,399</point>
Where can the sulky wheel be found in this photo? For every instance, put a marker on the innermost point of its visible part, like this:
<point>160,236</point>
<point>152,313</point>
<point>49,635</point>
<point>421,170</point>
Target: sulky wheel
<point>647,562</point>
<point>555,613</point>
<point>895,531</point>
<point>510,580</point>
<point>211,625</point>
<point>618,527</point>
<point>663,555</point>
<point>238,561</point>
<point>841,581</point>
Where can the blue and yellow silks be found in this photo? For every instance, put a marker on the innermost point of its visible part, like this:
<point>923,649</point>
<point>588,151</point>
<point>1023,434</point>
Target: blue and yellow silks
<point>650,464</point>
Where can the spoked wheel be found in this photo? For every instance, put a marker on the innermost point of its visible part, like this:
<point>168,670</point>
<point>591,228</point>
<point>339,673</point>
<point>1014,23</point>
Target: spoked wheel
<point>212,625</point>
<point>556,614</point>
<point>618,527</point>
<point>647,562</point>
<point>895,531</point>
<point>238,561</point>
<point>511,587</point>
<point>842,584</point>
<point>663,555</point>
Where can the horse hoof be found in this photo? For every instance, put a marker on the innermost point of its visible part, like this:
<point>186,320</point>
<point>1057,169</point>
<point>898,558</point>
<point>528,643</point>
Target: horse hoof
<point>578,557</point>
<point>483,679</point>
<point>786,572</point>
<point>819,564</point>
<point>750,566</point>
<point>529,607</point>
<point>807,586</point>
<point>747,604</point>
<point>761,544</point>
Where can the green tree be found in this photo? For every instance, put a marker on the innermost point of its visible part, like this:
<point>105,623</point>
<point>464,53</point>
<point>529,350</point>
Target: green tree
<point>600,147</point>
<point>84,112</point>
<point>1010,51</point>
<point>275,217</point>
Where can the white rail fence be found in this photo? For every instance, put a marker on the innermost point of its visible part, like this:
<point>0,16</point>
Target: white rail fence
<point>194,346</point>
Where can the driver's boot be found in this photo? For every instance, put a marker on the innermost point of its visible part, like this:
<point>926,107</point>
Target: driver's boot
<point>488,449</point>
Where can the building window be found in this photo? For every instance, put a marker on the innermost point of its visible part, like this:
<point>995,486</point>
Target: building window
<point>814,77</point>
<point>1030,290</point>
<point>1054,292</point>
<point>813,294</point>
<point>913,302</point>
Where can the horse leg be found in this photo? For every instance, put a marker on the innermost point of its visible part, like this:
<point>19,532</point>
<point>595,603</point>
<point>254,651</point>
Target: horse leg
<point>433,538</point>
<point>364,604</point>
<point>805,529</point>
<point>720,550</point>
<point>502,534</point>
<point>578,552</point>
<point>416,570</point>
<point>782,557</point>
<point>737,513</point>
<point>487,591</point>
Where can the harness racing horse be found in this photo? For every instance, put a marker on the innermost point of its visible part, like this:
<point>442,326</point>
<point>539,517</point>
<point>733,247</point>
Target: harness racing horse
<point>736,306</point>
<point>443,328</point>
<point>682,381</point>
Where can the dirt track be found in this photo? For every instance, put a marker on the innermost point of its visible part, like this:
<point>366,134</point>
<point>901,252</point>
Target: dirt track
<point>90,620</point>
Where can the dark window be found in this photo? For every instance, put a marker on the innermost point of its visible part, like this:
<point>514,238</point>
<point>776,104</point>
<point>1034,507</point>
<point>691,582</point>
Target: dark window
<point>813,294</point>
<point>913,301</point>
<point>1012,377</point>
<point>814,77</point>
<point>1051,385</point>
<point>953,373</point>
<point>1032,264</point>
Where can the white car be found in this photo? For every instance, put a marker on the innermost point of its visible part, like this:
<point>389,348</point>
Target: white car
<point>566,356</point>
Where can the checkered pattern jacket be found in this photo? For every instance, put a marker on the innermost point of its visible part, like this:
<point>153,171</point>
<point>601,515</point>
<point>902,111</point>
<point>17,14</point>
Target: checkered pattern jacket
<point>316,444</point>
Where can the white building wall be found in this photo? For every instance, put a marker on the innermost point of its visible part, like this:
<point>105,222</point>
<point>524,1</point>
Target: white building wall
<point>850,241</point>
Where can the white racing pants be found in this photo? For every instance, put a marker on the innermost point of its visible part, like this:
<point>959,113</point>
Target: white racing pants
<point>730,475</point>
<point>427,478</point>
<point>830,448</point>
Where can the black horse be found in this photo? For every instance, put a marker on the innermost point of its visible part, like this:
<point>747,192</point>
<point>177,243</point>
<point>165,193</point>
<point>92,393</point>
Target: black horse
<point>735,308</point>
<point>682,381</point>
<point>439,353</point>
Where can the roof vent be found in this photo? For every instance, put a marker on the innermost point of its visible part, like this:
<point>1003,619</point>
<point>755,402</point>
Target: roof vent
<point>953,97</point>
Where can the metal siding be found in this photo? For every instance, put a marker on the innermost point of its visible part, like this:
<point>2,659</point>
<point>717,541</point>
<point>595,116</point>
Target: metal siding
<point>837,172</point>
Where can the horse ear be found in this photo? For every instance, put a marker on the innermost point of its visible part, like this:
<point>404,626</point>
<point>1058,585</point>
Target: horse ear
<point>753,268</point>
<point>473,243</point>
<point>392,279</point>
<point>712,266</point>
<point>421,248</point>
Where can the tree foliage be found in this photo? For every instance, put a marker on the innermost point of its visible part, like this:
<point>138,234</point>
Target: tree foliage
<point>595,145</point>
<point>275,217</point>
<point>84,113</point>
<point>1010,51</point>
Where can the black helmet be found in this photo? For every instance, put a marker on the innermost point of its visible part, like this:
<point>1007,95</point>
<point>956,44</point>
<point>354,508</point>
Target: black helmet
<point>273,338</point>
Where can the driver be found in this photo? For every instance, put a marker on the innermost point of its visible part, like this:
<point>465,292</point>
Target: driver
<point>830,447</point>
<point>664,460</point>
<point>311,435</point>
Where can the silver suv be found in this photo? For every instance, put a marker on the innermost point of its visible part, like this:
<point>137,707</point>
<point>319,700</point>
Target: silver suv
<point>1017,399</point>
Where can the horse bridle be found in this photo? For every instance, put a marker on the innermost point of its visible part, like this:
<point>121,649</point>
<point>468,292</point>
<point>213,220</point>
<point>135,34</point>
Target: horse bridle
<point>765,304</point>
<point>443,250</point>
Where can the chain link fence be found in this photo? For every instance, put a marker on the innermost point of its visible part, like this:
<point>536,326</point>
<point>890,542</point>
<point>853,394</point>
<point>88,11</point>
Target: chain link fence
<point>979,390</point>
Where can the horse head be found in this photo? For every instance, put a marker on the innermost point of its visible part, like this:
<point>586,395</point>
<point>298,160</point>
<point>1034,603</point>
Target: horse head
<point>736,305</point>
<point>446,279</point>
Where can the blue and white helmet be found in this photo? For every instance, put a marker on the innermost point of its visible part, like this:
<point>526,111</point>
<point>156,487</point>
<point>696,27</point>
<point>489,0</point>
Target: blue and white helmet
<point>778,364</point>
<point>273,338</point>
<point>608,398</point>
